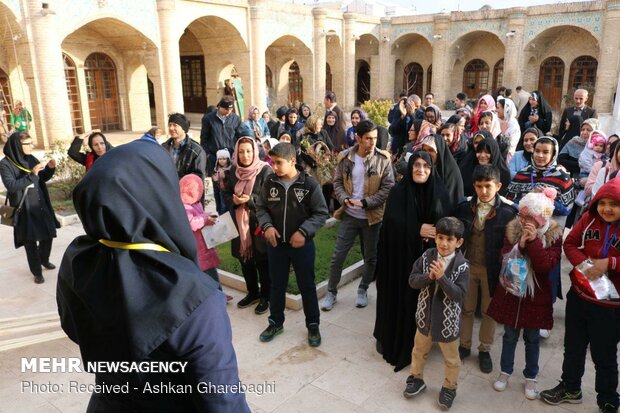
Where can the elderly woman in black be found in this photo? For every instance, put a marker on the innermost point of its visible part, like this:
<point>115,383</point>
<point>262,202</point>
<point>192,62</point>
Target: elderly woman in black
<point>35,223</point>
<point>131,290</point>
<point>412,208</point>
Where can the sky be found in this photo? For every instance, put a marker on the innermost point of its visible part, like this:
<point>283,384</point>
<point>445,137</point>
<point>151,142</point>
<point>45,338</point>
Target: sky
<point>436,6</point>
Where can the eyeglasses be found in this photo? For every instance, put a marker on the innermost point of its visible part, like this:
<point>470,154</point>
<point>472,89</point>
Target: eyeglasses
<point>27,144</point>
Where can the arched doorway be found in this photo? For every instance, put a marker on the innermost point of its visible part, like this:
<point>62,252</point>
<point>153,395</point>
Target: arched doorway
<point>363,83</point>
<point>583,76</point>
<point>328,78</point>
<point>498,74</point>
<point>295,85</point>
<point>476,78</point>
<point>429,79</point>
<point>5,96</point>
<point>413,79</point>
<point>102,89</point>
<point>73,92</point>
<point>550,79</point>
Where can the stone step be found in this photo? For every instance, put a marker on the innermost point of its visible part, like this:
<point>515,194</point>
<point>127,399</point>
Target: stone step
<point>16,332</point>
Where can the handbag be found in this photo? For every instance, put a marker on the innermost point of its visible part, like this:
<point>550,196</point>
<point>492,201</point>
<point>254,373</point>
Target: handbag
<point>8,213</point>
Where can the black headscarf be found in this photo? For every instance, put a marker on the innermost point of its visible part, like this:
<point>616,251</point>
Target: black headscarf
<point>14,151</point>
<point>448,170</point>
<point>543,108</point>
<point>491,146</point>
<point>574,129</point>
<point>528,155</point>
<point>469,162</point>
<point>119,304</point>
<point>408,206</point>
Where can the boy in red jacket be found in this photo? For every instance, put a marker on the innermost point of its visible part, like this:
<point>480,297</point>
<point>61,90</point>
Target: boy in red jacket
<point>596,236</point>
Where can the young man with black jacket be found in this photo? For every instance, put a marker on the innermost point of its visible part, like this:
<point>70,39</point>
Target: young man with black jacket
<point>187,155</point>
<point>290,209</point>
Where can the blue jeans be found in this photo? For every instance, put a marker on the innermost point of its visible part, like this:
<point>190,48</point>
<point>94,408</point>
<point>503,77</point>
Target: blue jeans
<point>212,272</point>
<point>220,203</point>
<point>531,336</point>
<point>280,259</point>
<point>350,228</point>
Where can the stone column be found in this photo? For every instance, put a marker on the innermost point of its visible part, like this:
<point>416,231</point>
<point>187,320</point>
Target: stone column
<point>440,83</point>
<point>513,55</point>
<point>170,57</point>
<point>386,61</point>
<point>50,103</point>
<point>615,123</point>
<point>606,75</point>
<point>259,86</point>
<point>320,54</point>
<point>349,61</point>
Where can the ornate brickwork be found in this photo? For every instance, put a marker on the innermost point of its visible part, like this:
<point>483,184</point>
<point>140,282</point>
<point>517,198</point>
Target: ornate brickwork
<point>590,21</point>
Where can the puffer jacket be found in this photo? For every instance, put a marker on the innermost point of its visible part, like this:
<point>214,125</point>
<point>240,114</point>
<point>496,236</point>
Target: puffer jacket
<point>587,238</point>
<point>378,181</point>
<point>537,311</point>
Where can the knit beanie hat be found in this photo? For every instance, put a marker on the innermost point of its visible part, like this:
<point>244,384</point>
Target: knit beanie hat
<point>222,154</point>
<point>180,120</point>
<point>539,205</point>
<point>596,138</point>
<point>191,189</point>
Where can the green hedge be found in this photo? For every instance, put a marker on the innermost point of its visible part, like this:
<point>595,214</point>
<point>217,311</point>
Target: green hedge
<point>324,241</point>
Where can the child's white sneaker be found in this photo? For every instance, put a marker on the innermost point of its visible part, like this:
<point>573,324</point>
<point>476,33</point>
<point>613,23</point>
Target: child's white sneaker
<point>544,333</point>
<point>531,389</point>
<point>501,382</point>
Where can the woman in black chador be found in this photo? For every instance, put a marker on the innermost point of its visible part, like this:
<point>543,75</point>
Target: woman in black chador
<point>131,289</point>
<point>412,208</point>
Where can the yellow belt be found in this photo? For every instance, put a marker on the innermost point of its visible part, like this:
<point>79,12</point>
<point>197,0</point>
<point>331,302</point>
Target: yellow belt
<point>133,246</point>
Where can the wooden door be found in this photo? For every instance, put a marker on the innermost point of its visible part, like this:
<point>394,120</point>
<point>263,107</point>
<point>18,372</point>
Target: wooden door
<point>583,76</point>
<point>295,85</point>
<point>5,97</point>
<point>102,89</point>
<point>193,80</point>
<point>413,77</point>
<point>476,78</point>
<point>328,78</point>
<point>429,79</point>
<point>74,95</point>
<point>363,83</point>
<point>498,75</point>
<point>550,81</point>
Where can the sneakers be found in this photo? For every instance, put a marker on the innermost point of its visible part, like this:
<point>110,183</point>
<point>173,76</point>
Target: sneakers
<point>362,298</point>
<point>262,307</point>
<point>414,387</point>
<point>48,266</point>
<point>608,408</point>
<point>544,333</point>
<point>531,389</point>
<point>38,279</point>
<point>248,300</point>
<point>486,364</point>
<point>270,332</point>
<point>559,394</point>
<point>329,301</point>
<point>314,335</point>
<point>464,352</point>
<point>446,397</point>
<point>501,382</point>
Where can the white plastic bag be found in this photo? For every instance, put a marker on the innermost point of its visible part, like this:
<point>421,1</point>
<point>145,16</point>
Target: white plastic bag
<point>516,275</point>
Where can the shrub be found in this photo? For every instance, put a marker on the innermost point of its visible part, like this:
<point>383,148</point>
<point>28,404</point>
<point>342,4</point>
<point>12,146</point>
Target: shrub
<point>378,110</point>
<point>68,172</point>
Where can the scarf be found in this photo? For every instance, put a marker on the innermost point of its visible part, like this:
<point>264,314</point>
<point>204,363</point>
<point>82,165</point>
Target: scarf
<point>246,176</point>
<point>14,151</point>
<point>118,304</point>
<point>550,176</point>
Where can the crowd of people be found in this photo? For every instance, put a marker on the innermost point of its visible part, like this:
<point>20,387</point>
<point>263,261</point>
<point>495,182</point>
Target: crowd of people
<point>452,216</point>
